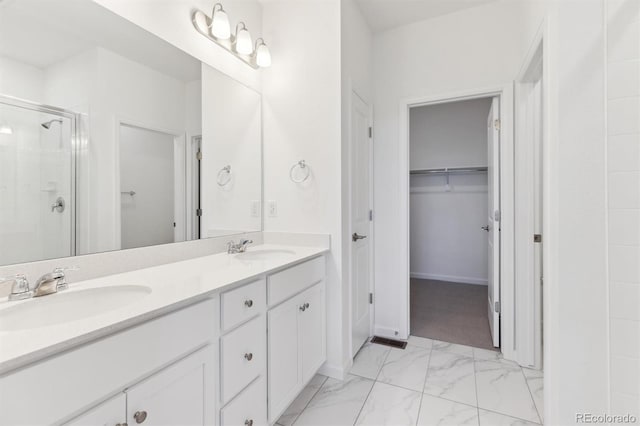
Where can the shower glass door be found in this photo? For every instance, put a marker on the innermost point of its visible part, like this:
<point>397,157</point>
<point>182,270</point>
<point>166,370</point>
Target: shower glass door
<point>36,182</point>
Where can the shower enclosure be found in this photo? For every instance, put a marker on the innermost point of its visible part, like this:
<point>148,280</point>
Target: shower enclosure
<point>37,181</point>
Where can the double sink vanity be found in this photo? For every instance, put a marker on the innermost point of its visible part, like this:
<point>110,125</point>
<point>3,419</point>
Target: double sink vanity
<point>227,339</point>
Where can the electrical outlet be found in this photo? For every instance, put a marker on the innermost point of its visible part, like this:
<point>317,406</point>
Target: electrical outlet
<point>272,207</point>
<point>255,208</point>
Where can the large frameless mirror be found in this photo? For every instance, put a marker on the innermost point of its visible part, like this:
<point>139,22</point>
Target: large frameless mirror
<point>103,145</point>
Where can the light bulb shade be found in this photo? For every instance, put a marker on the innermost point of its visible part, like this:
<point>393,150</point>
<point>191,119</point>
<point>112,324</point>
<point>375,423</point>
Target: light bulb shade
<point>244,44</point>
<point>220,25</point>
<point>263,56</point>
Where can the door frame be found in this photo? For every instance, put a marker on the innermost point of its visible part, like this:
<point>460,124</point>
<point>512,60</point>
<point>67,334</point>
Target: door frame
<point>537,60</point>
<point>348,226</point>
<point>505,95</point>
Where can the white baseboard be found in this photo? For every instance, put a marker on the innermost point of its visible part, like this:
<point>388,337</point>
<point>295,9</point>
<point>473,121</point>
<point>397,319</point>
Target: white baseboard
<point>449,278</point>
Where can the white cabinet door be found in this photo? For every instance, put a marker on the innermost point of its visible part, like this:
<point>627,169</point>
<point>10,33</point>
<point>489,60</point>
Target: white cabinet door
<point>311,333</point>
<point>109,413</point>
<point>181,394</point>
<point>283,357</point>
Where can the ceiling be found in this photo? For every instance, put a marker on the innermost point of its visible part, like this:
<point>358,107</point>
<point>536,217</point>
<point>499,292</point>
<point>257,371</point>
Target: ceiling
<point>44,32</point>
<point>383,15</point>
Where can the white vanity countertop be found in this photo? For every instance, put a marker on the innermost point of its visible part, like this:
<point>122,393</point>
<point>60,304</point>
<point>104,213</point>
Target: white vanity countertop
<point>173,286</point>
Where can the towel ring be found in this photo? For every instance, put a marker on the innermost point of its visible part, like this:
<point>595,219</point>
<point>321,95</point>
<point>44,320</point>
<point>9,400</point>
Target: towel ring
<point>305,171</point>
<point>224,176</point>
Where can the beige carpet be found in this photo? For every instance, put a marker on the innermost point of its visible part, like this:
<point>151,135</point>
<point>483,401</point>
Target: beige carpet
<point>451,312</point>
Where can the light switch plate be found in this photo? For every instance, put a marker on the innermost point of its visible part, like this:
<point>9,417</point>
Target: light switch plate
<point>255,208</point>
<point>272,207</point>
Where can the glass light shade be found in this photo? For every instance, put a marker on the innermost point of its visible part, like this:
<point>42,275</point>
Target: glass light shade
<point>220,25</point>
<point>263,56</point>
<point>244,45</point>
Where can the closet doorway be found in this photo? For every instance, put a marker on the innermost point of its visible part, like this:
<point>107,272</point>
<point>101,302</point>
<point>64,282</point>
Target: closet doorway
<point>454,209</point>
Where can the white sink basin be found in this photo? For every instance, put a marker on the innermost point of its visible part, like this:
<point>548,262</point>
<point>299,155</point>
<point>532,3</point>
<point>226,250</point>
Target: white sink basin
<point>69,306</point>
<point>265,254</point>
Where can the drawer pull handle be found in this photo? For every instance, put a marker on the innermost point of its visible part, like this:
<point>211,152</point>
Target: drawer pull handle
<point>303,307</point>
<point>140,416</point>
<point>248,303</point>
<point>248,422</point>
<point>248,356</point>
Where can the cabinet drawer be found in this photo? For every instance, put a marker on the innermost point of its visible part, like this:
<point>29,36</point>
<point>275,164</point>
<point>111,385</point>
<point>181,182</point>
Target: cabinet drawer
<point>249,408</point>
<point>243,357</point>
<point>242,303</point>
<point>282,285</point>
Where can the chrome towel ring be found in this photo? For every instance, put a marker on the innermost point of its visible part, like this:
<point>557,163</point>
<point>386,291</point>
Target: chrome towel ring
<point>299,172</point>
<point>224,176</point>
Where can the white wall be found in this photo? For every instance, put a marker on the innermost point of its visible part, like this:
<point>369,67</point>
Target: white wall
<point>478,48</point>
<point>231,136</point>
<point>623,151</point>
<point>575,290</point>
<point>452,134</point>
<point>301,120</point>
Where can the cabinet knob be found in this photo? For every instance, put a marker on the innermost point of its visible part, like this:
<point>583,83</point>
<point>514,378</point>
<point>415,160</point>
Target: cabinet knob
<point>306,305</point>
<point>248,422</point>
<point>303,307</point>
<point>248,303</point>
<point>140,416</point>
<point>248,356</point>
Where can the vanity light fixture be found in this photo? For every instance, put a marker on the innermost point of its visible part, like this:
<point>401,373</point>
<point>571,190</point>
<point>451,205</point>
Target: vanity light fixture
<point>217,29</point>
<point>243,43</point>
<point>220,27</point>
<point>262,54</point>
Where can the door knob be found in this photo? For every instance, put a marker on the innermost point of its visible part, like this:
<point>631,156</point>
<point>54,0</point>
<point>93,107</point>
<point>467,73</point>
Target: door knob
<point>140,416</point>
<point>355,237</point>
<point>248,356</point>
<point>485,228</point>
<point>248,303</point>
<point>248,422</point>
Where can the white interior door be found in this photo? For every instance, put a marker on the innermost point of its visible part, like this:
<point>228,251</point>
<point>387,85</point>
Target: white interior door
<point>493,219</point>
<point>147,187</point>
<point>360,150</point>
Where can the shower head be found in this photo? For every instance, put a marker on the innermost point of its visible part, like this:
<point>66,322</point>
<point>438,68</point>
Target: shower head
<point>48,124</point>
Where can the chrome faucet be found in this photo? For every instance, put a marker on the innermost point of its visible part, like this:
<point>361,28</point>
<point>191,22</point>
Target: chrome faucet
<point>52,282</point>
<point>19,287</point>
<point>241,247</point>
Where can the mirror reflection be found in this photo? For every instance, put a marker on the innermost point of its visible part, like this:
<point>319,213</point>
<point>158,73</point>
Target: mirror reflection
<point>102,141</point>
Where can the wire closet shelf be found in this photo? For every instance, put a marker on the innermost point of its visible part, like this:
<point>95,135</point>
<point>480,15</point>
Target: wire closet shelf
<point>450,170</point>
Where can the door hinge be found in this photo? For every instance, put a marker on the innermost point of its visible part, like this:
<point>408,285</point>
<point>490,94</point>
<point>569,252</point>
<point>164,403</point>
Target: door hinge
<point>497,216</point>
<point>198,212</point>
<point>497,307</point>
<point>370,215</point>
<point>371,298</point>
<point>199,155</point>
<point>537,238</point>
<point>370,132</point>
<point>496,124</point>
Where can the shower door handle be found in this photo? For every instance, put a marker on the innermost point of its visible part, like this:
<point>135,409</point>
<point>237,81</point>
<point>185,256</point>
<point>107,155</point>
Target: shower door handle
<point>58,205</point>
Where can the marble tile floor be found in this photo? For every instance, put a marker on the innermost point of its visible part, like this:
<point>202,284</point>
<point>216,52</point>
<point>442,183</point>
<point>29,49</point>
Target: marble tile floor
<point>428,383</point>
